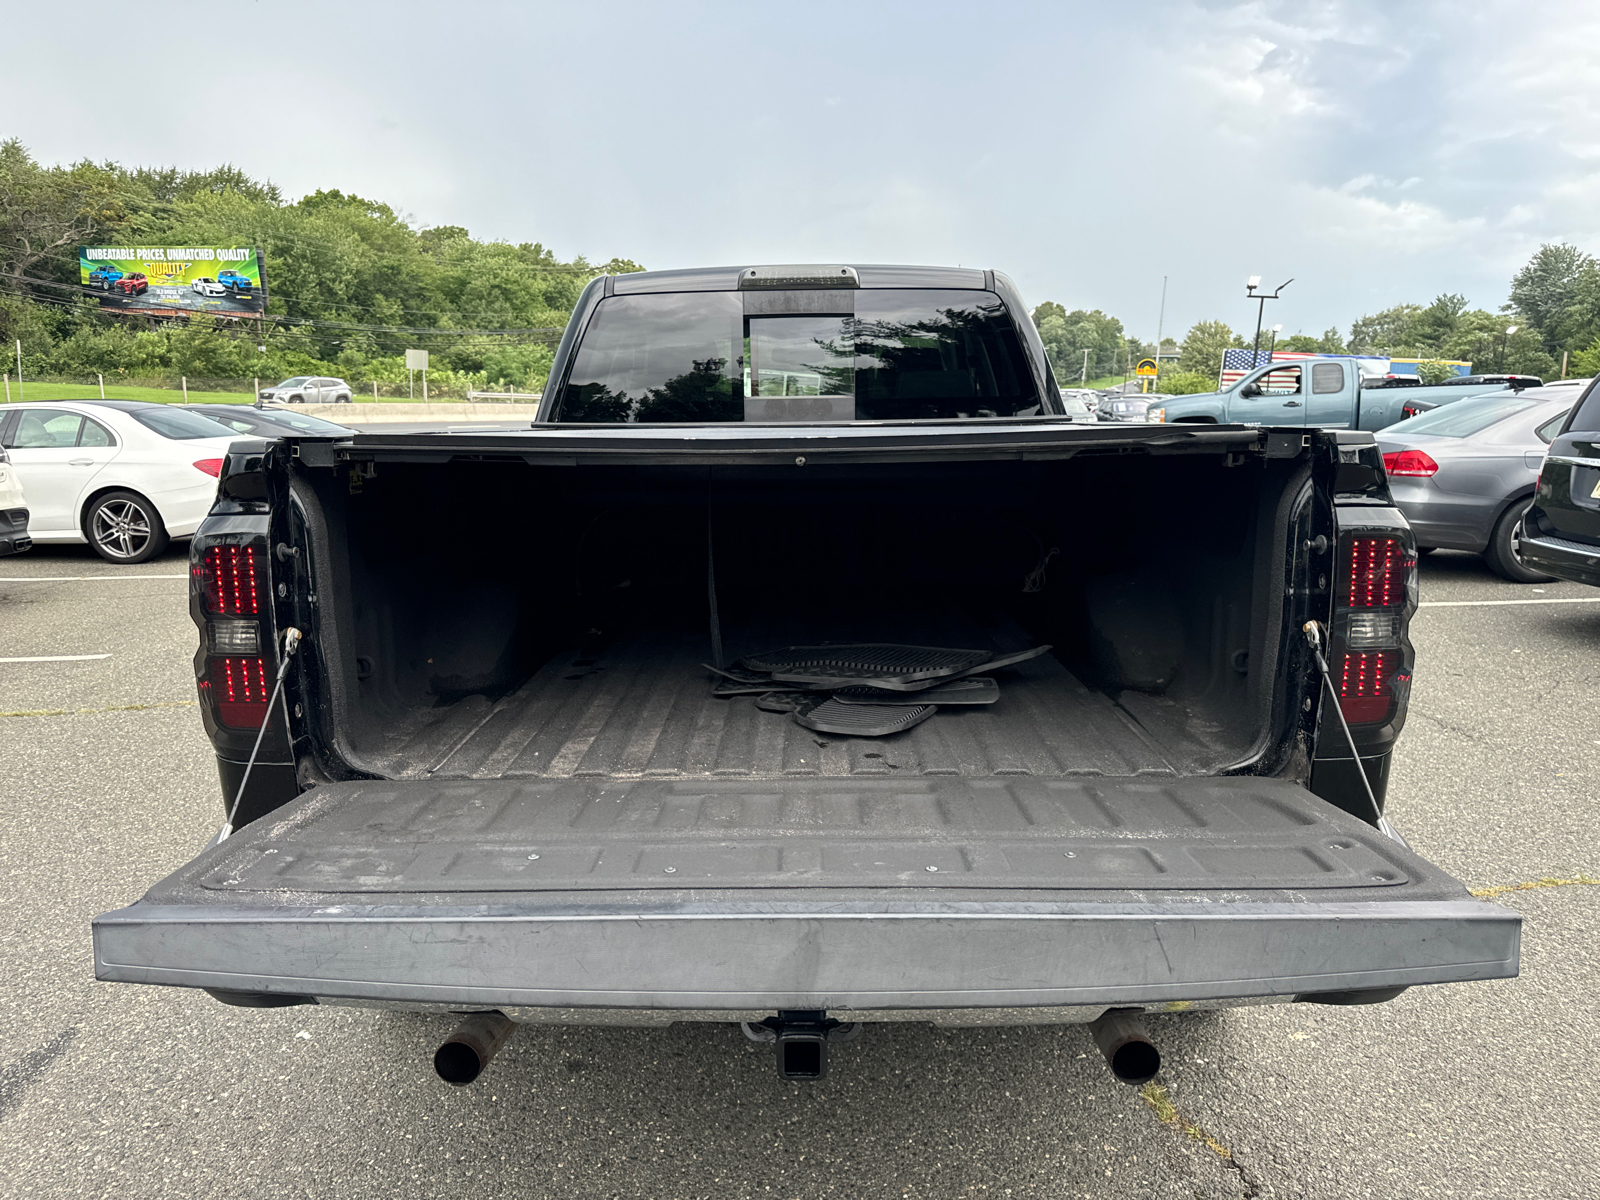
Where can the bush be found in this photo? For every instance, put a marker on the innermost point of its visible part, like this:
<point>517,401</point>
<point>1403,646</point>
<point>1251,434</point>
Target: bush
<point>1432,371</point>
<point>1185,383</point>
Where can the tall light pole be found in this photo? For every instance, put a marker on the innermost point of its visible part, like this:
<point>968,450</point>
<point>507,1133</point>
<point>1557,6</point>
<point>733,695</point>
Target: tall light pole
<point>1161,320</point>
<point>1510,329</point>
<point>1250,290</point>
<point>1273,345</point>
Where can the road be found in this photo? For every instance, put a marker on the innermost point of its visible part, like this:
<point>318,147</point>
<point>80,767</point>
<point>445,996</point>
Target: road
<point>1480,1090</point>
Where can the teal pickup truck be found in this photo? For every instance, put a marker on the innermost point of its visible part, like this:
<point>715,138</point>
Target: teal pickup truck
<point>1325,393</point>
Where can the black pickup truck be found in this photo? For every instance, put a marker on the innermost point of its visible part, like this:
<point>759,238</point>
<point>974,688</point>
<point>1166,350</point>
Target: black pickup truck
<point>565,738</point>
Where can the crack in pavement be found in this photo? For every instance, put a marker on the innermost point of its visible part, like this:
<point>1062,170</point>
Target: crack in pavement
<point>1160,1103</point>
<point>78,712</point>
<point>1528,885</point>
<point>17,1079</point>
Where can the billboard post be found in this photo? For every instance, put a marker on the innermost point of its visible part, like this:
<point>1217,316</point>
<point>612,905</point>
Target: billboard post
<point>416,360</point>
<point>226,281</point>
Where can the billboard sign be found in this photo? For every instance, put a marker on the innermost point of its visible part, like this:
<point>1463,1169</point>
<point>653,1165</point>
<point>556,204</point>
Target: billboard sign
<point>222,280</point>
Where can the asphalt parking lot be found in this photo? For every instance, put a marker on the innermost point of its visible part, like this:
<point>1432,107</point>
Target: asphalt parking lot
<point>1479,1090</point>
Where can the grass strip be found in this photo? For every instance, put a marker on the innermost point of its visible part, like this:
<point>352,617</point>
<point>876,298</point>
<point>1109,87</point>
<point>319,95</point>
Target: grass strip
<point>78,712</point>
<point>1157,1101</point>
<point>1530,885</point>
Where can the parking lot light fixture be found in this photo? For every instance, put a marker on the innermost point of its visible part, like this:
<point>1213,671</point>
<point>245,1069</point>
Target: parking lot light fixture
<point>1510,329</point>
<point>1261,308</point>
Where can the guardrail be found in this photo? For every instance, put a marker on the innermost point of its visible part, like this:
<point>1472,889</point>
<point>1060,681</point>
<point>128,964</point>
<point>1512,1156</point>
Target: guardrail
<point>511,397</point>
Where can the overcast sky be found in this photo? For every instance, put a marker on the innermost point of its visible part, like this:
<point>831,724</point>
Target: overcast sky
<point>1378,151</point>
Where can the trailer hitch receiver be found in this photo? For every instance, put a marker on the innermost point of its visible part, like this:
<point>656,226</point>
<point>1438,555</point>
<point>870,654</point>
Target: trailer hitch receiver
<point>801,1038</point>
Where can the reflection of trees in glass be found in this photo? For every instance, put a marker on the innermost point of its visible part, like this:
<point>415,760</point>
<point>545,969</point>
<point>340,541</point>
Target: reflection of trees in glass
<point>922,345</point>
<point>838,371</point>
<point>938,365</point>
<point>594,403</point>
<point>703,393</point>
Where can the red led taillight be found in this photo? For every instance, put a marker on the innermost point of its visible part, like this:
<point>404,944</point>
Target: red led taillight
<point>1366,685</point>
<point>1375,565</point>
<point>232,581</point>
<point>1369,628</point>
<point>1412,463</point>
<point>240,688</point>
<point>211,466</point>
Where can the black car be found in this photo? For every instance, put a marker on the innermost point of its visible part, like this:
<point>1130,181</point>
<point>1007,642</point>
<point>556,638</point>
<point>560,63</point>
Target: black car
<point>1561,533</point>
<point>1515,382</point>
<point>245,419</point>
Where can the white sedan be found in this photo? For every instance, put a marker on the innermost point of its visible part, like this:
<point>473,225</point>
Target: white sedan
<point>122,475</point>
<point>13,510</point>
<point>207,286</point>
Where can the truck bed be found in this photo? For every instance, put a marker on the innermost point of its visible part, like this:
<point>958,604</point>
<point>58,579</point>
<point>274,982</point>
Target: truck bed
<point>643,708</point>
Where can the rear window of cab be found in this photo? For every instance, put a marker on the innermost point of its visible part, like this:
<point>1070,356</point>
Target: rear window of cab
<point>912,354</point>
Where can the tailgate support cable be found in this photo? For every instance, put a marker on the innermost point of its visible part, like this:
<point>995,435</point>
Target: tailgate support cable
<point>291,642</point>
<point>711,582</point>
<point>1313,633</point>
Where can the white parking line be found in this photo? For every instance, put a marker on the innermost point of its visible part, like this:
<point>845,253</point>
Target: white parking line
<point>58,658</point>
<point>1489,603</point>
<point>78,578</point>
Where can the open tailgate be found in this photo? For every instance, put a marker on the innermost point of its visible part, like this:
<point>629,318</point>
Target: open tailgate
<point>747,894</point>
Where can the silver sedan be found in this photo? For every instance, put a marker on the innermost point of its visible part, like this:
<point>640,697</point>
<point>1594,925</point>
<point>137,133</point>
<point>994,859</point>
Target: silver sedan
<point>1464,474</point>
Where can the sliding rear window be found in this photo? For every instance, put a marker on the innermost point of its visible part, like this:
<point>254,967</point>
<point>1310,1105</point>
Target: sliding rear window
<point>899,355</point>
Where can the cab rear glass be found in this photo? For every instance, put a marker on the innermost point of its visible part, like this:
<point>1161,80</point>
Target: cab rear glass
<point>903,354</point>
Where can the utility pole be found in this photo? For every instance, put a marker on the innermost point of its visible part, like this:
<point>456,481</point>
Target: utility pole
<point>1250,290</point>
<point>1083,375</point>
<point>21,395</point>
<point>1161,321</point>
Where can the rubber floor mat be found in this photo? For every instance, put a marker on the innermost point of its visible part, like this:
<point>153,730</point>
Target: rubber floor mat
<point>728,688</point>
<point>861,720</point>
<point>1005,660</point>
<point>882,664</point>
<point>782,702</point>
<point>979,689</point>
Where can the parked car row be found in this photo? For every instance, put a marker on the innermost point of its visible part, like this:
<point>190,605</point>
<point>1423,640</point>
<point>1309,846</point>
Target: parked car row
<point>1464,475</point>
<point>124,476</point>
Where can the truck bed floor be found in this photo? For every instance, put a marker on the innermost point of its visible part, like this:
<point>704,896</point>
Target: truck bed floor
<point>643,709</point>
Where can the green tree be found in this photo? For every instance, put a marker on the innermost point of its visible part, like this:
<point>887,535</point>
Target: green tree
<point>366,283</point>
<point>1586,361</point>
<point>1066,335</point>
<point>1558,291</point>
<point>1392,331</point>
<point>1436,324</point>
<point>1201,350</point>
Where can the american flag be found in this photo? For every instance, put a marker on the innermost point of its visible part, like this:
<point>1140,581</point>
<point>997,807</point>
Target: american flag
<point>1236,365</point>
